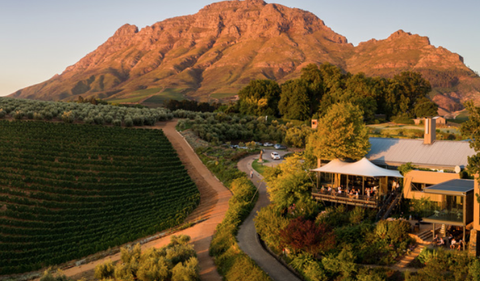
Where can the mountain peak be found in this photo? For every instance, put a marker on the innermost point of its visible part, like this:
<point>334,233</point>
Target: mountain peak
<point>217,51</point>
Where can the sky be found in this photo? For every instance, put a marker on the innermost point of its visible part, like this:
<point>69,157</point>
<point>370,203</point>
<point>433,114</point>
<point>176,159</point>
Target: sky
<point>39,39</point>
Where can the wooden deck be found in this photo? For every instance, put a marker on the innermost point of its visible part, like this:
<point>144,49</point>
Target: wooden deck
<point>360,200</point>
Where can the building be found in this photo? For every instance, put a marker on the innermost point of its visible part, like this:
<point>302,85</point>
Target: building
<point>439,120</point>
<point>437,178</point>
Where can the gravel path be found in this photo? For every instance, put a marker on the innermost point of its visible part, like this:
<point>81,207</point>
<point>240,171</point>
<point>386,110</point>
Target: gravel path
<point>246,235</point>
<point>213,206</point>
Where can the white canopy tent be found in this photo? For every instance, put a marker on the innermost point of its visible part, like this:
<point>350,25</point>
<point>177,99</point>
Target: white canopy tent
<point>362,167</point>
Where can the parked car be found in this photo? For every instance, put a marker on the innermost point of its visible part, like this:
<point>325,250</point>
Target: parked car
<point>267,144</point>
<point>275,155</point>
<point>279,146</point>
<point>258,143</point>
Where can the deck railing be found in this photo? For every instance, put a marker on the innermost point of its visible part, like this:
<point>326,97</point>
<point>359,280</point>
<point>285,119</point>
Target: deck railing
<point>343,198</point>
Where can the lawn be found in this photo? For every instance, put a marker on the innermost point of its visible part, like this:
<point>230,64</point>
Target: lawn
<point>259,166</point>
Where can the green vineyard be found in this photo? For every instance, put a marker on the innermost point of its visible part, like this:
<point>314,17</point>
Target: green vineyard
<point>68,191</point>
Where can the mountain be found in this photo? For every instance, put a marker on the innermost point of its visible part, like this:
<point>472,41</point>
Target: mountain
<point>217,51</point>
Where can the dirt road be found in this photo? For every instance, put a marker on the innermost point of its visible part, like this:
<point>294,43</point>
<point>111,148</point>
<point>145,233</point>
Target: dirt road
<point>213,206</point>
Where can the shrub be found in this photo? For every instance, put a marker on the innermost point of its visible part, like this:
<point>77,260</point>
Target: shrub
<point>176,261</point>
<point>393,231</point>
<point>305,235</point>
<point>128,122</point>
<point>117,122</point>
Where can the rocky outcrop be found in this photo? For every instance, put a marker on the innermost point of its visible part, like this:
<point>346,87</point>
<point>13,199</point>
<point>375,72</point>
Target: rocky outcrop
<point>217,51</point>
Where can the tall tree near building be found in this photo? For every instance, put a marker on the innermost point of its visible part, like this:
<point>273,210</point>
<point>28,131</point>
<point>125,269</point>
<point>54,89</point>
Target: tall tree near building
<point>341,133</point>
<point>259,97</point>
<point>289,185</point>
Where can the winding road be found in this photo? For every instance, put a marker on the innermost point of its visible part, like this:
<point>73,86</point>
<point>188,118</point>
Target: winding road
<point>247,233</point>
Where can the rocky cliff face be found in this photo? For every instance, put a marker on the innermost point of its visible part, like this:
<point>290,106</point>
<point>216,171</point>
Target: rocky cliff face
<point>217,51</point>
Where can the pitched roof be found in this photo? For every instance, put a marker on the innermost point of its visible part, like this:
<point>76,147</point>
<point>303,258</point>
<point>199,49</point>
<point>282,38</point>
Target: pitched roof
<point>362,167</point>
<point>441,154</point>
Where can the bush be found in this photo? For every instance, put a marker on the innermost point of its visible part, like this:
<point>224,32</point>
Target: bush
<point>176,261</point>
<point>393,231</point>
<point>117,122</point>
<point>128,122</point>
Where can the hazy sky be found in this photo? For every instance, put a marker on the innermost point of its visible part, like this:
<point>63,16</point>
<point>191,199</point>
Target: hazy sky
<point>40,38</point>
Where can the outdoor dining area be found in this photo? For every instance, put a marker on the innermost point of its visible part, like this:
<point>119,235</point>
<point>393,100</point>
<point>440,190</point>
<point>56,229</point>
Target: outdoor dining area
<point>360,183</point>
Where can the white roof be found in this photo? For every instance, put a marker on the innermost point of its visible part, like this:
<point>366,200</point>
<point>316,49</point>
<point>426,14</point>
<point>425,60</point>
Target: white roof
<point>362,167</point>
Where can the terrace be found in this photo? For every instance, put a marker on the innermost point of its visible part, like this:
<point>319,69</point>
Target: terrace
<point>343,198</point>
<point>370,182</point>
<point>456,207</point>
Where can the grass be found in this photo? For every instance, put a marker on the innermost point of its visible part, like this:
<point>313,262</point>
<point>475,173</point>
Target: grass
<point>167,94</point>
<point>259,166</point>
<point>136,96</point>
<point>222,95</point>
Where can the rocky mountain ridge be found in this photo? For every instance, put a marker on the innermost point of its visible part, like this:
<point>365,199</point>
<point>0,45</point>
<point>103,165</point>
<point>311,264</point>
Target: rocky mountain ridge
<point>215,52</point>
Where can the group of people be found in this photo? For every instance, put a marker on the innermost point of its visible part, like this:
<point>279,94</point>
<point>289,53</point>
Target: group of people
<point>351,192</point>
<point>454,244</point>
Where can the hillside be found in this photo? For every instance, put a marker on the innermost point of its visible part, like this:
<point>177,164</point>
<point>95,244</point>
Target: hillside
<point>215,52</point>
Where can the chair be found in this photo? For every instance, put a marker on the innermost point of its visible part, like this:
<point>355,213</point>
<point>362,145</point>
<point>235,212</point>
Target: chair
<point>459,215</point>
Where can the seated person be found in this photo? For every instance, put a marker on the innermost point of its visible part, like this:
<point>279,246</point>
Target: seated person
<point>329,188</point>
<point>435,239</point>
<point>453,243</point>
<point>441,242</point>
<point>450,238</point>
<point>351,192</point>
<point>459,244</point>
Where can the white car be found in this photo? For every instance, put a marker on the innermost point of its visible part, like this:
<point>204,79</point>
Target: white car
<point>268,144</point>
<point>275,155</point>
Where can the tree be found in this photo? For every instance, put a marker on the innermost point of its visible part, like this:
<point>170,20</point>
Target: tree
<point>259,97</point>
<point>312,75</point>
<point>360,90</point>
<point>305,235</point>
<point>294,100</point>
<point>425,107</point>
<point>341,133</point>
<point>288,185</point>
<point>403,93</point>
<point>297,136</point>
<point>344,263</point>
<point>471,130</point>
<point>268,224</point>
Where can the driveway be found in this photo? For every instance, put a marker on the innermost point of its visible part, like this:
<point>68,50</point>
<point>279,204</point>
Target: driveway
<point>247,233</point>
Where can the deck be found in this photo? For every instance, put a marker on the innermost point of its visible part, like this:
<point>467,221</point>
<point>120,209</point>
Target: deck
<point>334,197</point>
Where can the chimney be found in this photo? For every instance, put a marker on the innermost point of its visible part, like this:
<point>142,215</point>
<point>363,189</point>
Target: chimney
<point>429,137</point>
